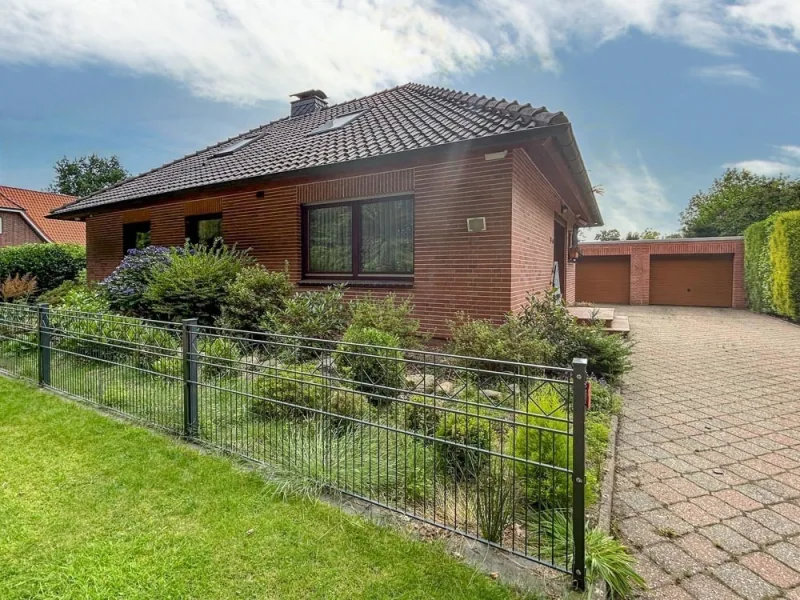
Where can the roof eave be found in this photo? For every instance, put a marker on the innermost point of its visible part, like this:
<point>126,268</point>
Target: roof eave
<point>572,154</point>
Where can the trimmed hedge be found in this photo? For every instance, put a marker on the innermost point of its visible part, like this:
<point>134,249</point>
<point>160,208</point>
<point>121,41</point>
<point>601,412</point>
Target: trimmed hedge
<point>51,264</point>
<point>784,251</point>
<point>757,265</point>
<point>772,265</point>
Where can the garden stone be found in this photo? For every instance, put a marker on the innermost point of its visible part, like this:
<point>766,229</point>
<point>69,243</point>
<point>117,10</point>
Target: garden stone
<point>445,387</point>
<point>420,383</point>
<point>491,394</point>
<point>326,367</point>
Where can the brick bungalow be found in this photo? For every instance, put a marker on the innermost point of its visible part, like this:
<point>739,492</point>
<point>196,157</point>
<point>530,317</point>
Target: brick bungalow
<point>463,201</point>
<point>23,218</point>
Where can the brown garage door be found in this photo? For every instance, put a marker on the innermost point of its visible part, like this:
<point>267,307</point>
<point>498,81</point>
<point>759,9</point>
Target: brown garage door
<point>691,280</point>
<point>603,279</point>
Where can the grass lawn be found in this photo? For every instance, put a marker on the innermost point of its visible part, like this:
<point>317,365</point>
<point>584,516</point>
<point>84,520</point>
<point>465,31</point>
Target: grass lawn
<point>94,508</point>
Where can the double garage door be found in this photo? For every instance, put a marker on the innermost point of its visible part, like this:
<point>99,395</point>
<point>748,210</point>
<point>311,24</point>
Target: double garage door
<point>675,280</point>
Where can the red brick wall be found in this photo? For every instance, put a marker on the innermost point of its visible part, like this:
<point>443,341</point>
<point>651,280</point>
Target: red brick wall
<point>535,204</point>
<point>16,231</point>
<point>453,270</point>
<point>640,252</point>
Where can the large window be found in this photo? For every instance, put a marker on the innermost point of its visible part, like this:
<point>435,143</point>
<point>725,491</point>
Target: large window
<point>204,229</point>
<point>362,239</point>
<point>135,235</point>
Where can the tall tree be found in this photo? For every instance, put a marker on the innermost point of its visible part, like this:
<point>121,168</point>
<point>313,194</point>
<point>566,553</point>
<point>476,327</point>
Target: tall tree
<point>608,235</point>
<point>736,200</point>
<point>86,175</point>
<point>633,235</point>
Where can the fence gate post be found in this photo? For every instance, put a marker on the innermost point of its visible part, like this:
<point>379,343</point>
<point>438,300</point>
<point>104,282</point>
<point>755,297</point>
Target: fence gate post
<point>578,472</point>
<point>189,351</point>
<point>43,333</point>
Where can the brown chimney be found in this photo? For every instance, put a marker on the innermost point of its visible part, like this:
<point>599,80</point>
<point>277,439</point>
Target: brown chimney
<point>308,102</point>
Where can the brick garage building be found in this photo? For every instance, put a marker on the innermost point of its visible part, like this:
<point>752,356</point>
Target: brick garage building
<point>677,272</point>
<point>23,218</point>
<point>462,201</point>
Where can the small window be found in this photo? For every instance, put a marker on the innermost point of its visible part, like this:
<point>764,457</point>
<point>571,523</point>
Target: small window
<point>361,239</point>
<point>204,229</point>
<point>336,123</point>
<point>1,224</point>
<point>135,235</point>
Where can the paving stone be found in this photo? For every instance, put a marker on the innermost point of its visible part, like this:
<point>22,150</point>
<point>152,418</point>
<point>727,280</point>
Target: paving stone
<point>708,482</point>
<point>665,519</point>
<point>775,521</point>
<point>771,570</point>
<point>654,575</point>
<point>787,553</point>
<point>716,507</point>
<point>673,560</point>
<point>638,500</point>
<point>693,514</point>
<point>729,540</point>
<point>758,493</point>
<point>738,500</point>
<point>638,532</point>
<point>701,586</point>
<point>702,549</point>
<point>790,511</point>
<point>753,530</point>
<point>672,592</point>
<point>663,492</point>
<point>683,486</point>
<point>744,581</point>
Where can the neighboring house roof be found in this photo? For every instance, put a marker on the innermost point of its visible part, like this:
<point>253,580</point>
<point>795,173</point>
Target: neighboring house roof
<point>35,206</point>
<point>405,118</point>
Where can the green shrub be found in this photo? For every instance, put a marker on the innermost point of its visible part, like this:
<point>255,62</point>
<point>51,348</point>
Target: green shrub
<point>298,385</point>
<point>84,298</point>
<point>510,341</point>
<point>422,414</point>
<point>609,355</point>
<point>319,315</point>
<point>494,500</point>
<point>55,296</point>
<point>784,246</point>
<point>256,293</point>
<point>605,399</point>
<point>374,363</point>
<point>168,365</point>
<point>347,403</point>
<point>194,281</point>
<point>542,436</point>
<point>467,429</point>
<point>387,314</point>
<point>219,357</point>
<point>757,265</point>
<point>50,264</point>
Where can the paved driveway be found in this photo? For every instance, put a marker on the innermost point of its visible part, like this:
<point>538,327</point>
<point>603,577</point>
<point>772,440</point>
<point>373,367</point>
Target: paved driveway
<point>708,471</point>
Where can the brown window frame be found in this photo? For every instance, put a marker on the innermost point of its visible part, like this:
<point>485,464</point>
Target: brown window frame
<point>192,225</point>
<point>355,228</point>
<point>129,231</point>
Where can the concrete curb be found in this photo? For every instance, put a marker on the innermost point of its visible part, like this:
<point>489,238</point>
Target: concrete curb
<point>599,590</point>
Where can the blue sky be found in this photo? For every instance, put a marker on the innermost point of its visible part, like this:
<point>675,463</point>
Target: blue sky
<point>663,94</point>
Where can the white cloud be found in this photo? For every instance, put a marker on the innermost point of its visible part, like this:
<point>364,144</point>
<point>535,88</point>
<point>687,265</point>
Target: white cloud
<point>727,74</point>
<point>249,50</point>
<point>633,198</point>
<point>786,161</point>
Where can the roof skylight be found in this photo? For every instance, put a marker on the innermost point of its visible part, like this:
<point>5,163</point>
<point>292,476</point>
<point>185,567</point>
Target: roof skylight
<point>234,146</point>
<point>336,122</point>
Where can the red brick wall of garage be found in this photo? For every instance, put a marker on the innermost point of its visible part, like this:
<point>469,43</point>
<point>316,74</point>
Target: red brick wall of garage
<point>453,270</point>
<point>640,252</point>
<point>16,231</point>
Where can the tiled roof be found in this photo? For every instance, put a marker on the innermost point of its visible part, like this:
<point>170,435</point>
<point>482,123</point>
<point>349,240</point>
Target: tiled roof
<point>36,206</point>
<point>408,117</point>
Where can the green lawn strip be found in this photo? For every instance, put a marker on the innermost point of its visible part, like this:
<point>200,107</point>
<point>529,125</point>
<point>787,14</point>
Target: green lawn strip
<point>94,508</point>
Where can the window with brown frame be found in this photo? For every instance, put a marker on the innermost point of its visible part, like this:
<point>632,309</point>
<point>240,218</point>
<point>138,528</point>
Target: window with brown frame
<point>135,235</point>
<point>204,229</point>
<point>362,239</point>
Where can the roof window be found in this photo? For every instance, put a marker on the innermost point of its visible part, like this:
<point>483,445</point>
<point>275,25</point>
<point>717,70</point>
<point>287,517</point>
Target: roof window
<point>234,146</point>
<point>336,122</point>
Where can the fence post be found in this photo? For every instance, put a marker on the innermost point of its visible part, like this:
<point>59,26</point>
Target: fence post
<point>189,351</point>
<point>578,472</point>
<point>43,333</point>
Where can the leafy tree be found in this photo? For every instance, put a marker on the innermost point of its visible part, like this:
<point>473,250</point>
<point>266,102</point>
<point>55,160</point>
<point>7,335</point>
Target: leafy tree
<point>736,200</point>
<point>86,175</point>
<point>673,236</point>
<point>608,235</point>
<point>651,234</point>
<point>633,235</point>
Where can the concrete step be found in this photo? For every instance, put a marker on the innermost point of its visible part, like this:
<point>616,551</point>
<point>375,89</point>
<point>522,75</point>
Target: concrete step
<point>589,314</point>
<point>619,325</point>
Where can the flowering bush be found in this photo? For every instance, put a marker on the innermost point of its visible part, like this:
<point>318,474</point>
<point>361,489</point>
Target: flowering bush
<point>126,286</point>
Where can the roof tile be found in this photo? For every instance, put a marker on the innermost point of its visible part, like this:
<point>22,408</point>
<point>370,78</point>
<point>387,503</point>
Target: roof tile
<point>36,206</point>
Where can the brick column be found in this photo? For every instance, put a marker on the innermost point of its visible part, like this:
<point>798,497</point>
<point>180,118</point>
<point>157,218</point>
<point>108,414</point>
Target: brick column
<point>640,275</point>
